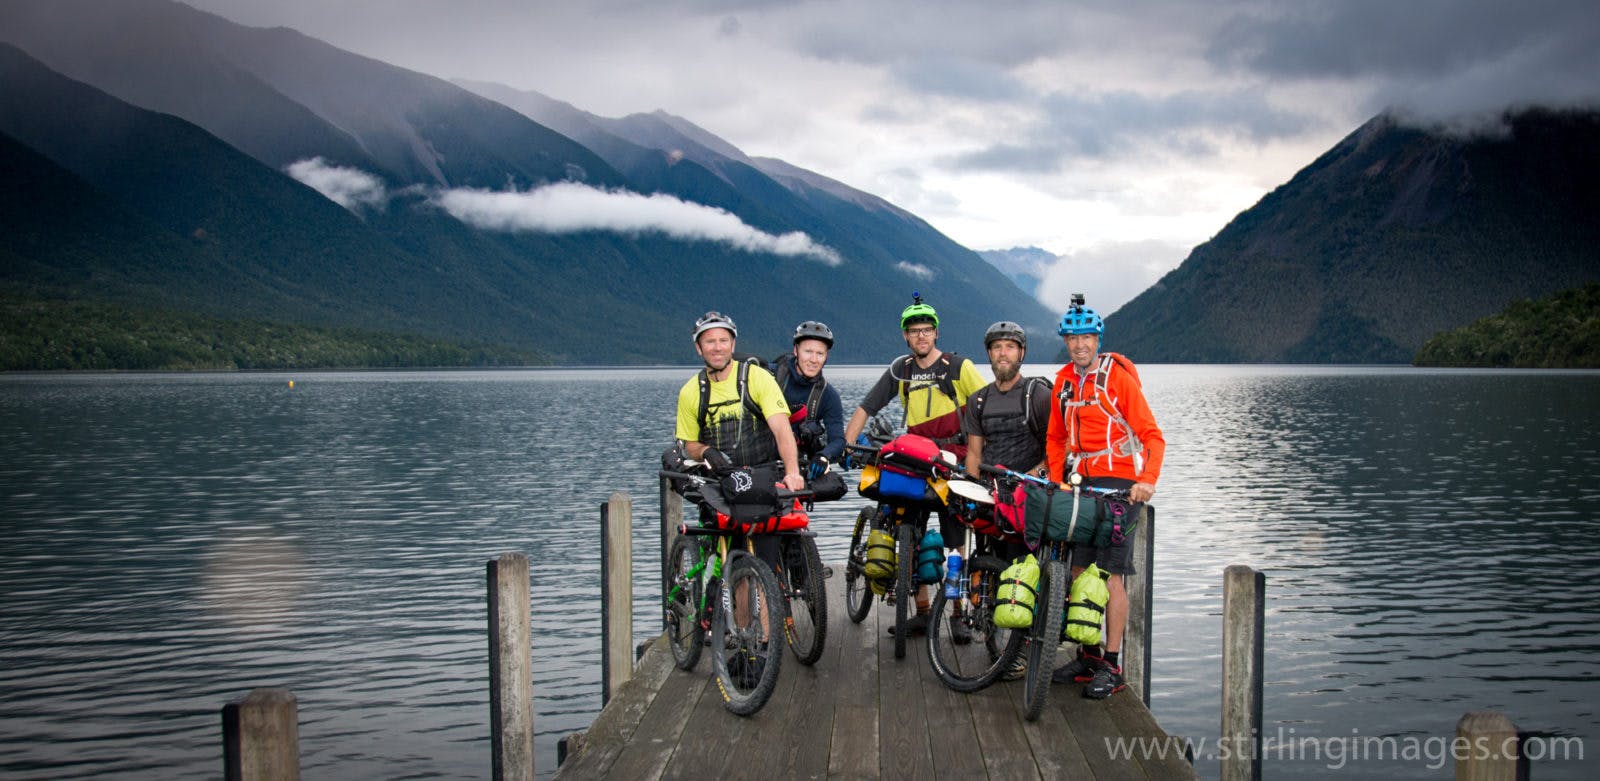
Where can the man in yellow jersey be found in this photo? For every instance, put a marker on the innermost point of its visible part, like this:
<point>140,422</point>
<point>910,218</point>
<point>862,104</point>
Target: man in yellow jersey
<point>733,413</point>
<point>932,387</point>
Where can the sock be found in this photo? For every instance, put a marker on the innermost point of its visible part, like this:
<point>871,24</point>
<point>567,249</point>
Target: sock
<point>1093,651</point>
<point>1113,658</point>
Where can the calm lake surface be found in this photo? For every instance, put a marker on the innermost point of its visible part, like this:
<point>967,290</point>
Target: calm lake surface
<point>1429,539</point>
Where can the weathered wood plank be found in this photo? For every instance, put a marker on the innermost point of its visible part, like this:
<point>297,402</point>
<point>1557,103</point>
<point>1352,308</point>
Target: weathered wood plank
<point>854,750</point>
<point>1163,756</point>
<point>902,718</point>
<point>1094,731</point>
<point>617,722</point>
<point>1053,738</point>
<point>956,752</point>
<point>661,728</point>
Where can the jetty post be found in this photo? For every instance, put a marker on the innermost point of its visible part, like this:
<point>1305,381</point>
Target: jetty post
<point>1244,601</point>
<point>1136,645</point>
<point>671,519</point>
<point>261,737</point>
<point>616,593</point>
<point>1492,748</point>
<point>510,668</point>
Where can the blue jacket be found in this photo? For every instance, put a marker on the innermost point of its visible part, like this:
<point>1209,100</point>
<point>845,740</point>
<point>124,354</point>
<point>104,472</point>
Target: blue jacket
<point>797,388</point>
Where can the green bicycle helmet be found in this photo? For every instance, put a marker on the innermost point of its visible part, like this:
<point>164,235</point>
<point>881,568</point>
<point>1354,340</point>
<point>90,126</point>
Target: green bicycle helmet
<point>918,312</point>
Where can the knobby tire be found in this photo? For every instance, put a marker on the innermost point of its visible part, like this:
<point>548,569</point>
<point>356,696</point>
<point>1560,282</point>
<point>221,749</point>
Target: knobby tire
<point>682,603</point>
<point>972,667</point>
<point>1047,636</point>
<point>857,592</point>
<point>746,690</point>
<point>807,614</point>
<point>905,563</point>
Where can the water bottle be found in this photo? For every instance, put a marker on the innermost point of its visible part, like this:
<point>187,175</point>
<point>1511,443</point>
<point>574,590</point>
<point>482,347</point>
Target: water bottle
<point>952,577</point>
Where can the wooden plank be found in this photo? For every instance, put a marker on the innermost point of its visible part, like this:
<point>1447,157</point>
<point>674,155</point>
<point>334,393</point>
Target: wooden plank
<point>617,722</point>
<point>1052,737</point>
<point>663,724</point>
<point>854,748</point>
<point>1007,755</point>
<point>905,741</point>
<point>1496,747</point>
<point>1244,599</point>
<point>1163,756</point>
<point>955,750</point>
<point>1093,730</point>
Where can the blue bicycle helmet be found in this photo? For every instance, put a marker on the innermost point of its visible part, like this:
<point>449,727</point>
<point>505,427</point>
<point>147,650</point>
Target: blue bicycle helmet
<point>1080,319</point>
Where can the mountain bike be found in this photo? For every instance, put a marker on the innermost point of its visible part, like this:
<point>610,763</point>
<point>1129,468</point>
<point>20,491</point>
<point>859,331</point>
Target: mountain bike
<point>1054,553</point>
<point>971,666</point>
<point>907,478</point>
<point>718,593</point>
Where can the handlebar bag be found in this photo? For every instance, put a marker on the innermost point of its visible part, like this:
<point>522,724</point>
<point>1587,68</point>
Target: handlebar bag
<point>752,492</point>
<point>1101,521</point>
<point>912,455</point>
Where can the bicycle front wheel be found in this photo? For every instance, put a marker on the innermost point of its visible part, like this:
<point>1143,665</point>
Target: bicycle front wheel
<point>857,592</point>
<point>1046,636</point>
<point>807,607</point>
<point>682,609</point>
<point>905,562</point>
<point>972,665</point>
<point>747,634</point>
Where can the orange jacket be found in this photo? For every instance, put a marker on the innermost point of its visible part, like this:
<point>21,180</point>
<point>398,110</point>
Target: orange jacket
<point>1088,429</point>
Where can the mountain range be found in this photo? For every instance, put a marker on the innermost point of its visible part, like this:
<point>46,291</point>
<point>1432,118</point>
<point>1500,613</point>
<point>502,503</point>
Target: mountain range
<point>195,164</point>
<point>164,158</point>
<point>1394,235</point>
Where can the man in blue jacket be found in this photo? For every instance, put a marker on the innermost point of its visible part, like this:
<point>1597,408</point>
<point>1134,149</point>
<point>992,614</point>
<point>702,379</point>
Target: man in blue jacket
<point>819,431</point>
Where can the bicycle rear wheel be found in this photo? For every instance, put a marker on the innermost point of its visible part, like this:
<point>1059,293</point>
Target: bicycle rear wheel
<point>807,607</point>
<point>972,666</point>
<point>1046,636</point>
<point>905,562</point>
<point>747,634</point>
<point>857,592</point>
<point>682,602</point>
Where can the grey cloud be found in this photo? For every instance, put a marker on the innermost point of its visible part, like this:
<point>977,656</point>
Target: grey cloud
<point>1106,124</point>
<point>348,187</point>
<point>893,33</point>
<point>967,79</point>
<point>1427,58</point>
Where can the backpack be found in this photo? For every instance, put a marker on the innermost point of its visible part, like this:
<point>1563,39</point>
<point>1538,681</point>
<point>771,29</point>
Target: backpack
<point>742,378</point>
<point>784,364</point>
<point>947,383</point>
<point>1102,399</point>
<point>1029,384</point>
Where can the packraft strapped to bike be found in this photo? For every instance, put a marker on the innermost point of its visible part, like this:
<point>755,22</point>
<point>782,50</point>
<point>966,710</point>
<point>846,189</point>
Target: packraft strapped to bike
<point>1053,521</point>
<point>907,480</point>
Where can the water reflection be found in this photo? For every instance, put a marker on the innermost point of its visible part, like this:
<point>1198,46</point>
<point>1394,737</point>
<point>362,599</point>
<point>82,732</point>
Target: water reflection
<point>175,540</point>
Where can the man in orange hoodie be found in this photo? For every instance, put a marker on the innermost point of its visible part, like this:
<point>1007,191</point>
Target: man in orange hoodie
<point>1101,427</point>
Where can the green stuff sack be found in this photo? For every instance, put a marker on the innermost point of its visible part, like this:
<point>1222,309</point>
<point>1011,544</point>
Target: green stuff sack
<point>880,555</point>
<point>1086,606</point>
<point>1019,588</point>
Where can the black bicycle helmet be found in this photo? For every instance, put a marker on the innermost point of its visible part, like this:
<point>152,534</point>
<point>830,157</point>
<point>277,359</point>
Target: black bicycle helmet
<point>812,329</point>
<point>1005,329</point>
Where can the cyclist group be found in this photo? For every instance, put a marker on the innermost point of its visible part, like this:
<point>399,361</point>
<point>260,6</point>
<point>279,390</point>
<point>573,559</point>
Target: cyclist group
<point>1093,419</point>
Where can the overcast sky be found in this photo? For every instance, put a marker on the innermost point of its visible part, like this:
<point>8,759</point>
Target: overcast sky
<point>1118,134</point>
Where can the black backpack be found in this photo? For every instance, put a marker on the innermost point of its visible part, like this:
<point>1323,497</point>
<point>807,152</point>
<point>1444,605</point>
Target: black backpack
<point>1029,385</point>
<point>947,383</point>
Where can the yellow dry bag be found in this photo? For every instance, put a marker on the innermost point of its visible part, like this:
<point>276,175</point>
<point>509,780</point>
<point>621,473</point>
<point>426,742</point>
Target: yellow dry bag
<point>880,555</point>
<point>1086,606</point>
<point>1019,587</point>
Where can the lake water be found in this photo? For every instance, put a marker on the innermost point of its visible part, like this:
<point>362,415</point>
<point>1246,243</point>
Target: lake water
<point>1429,540</point>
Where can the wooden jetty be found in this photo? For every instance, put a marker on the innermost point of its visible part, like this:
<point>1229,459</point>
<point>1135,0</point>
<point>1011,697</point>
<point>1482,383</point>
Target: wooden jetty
<point>860,713</point>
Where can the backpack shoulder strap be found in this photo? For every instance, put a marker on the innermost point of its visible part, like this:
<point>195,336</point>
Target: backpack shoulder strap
<point>814,398</point>
<point>1031,384</point>
<point>705,399</point>
<point>947,383</point>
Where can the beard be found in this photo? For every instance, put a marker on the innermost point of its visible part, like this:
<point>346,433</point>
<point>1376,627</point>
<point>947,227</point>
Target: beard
<point>1006,372</point>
